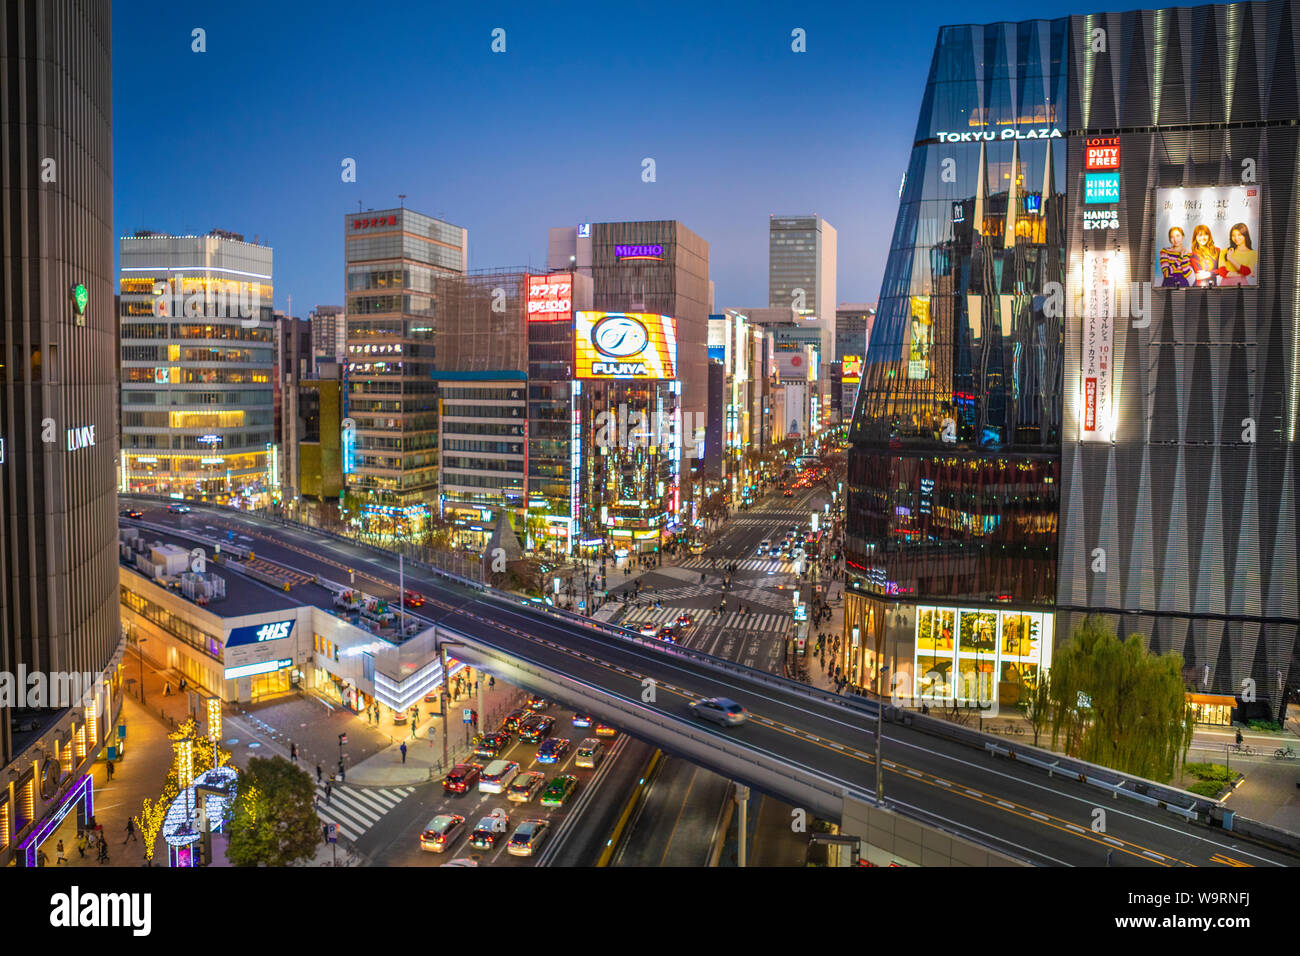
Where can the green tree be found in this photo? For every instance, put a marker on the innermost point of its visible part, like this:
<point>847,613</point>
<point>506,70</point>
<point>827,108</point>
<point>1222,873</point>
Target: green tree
<point>275,822</point>
<point>1119,705</point>
<point>1036,701</point>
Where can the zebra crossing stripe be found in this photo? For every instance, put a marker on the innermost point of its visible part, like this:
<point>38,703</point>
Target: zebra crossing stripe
<point>359,809</point>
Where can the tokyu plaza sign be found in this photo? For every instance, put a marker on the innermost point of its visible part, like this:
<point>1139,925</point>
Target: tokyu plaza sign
<point>992,136</point>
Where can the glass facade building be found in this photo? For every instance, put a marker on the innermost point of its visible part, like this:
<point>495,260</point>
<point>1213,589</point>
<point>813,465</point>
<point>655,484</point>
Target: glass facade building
<point>1065,410</point>
<point>198,358</point>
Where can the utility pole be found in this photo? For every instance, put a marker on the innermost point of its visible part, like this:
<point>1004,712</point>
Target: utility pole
<point>445,701</point>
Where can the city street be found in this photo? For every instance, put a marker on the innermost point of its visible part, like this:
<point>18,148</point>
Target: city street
<point>685,808</point>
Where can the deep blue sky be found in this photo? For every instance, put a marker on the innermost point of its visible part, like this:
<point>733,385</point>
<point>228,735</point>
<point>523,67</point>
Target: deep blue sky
<point>250,135</point>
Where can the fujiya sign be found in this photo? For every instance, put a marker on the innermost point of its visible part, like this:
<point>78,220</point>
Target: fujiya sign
<point>990,135</point>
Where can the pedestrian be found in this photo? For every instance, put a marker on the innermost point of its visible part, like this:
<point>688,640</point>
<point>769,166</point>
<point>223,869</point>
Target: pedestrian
<point>329,786</point>
<point>109,768</point>
<point>293,751</point>
<point>413,726</point>
<point>167,689</point>
<point>41,858</point>
<point>130,831</point>
<point>60,859</point>
<point>318,773</point>
<point>343,774</point>
<point>82,843</point>
<point>403,749</point>
<point>103,851</point>
<point>1239,737</point>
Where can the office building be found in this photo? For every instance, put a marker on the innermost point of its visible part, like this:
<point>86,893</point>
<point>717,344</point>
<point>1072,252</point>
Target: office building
<point>393,257</point>
<point>482,373</point>
<point>58,400</point>
<point>802,273</point>
<point>329,333</point>
<point>198,359</point>
<point>1081,394</point>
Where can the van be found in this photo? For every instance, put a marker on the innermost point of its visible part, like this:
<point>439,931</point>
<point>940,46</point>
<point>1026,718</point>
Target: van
<point>590,752</point>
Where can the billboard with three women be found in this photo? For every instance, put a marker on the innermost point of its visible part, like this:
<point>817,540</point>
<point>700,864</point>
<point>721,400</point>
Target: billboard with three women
<point>1206,237</point>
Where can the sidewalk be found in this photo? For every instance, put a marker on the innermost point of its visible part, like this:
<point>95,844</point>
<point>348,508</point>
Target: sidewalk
<point>424,750</point>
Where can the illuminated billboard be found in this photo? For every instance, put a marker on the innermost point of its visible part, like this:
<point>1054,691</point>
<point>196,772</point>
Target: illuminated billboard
<point>918,350</point>
<point>1205,237</point>
<point>1102,273</point>
<point>627,345</point>
<point>550,297</point>
<point>851,369</point>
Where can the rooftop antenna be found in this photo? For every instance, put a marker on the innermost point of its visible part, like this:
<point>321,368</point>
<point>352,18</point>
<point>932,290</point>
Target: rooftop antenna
<point>401,200</point>
<point>358,205</point>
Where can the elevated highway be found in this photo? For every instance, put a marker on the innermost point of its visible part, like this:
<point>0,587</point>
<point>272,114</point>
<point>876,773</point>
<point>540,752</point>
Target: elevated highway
<point>811,748</point>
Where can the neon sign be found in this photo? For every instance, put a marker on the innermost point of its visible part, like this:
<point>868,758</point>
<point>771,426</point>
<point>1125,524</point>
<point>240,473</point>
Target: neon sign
<point>639,252</point>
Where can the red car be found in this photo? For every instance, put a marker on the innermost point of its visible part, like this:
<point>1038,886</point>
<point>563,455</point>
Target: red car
<point>683,620</point>
<point>461,778</point>
<point>412,599</point>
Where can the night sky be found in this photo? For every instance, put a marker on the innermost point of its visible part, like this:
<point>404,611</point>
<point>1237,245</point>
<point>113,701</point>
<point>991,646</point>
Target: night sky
<point>250,135</point>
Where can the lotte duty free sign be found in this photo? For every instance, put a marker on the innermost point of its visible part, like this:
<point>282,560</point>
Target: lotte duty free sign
<point>1101,152</point>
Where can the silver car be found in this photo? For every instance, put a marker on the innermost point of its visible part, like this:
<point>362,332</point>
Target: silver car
<point>721,710</point>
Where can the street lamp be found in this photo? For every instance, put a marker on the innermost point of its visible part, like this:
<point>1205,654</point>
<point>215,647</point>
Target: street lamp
<point>139,653</point>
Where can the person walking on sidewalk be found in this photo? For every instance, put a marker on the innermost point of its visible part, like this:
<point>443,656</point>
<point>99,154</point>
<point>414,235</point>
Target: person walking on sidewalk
<point>109,768</point>
<point>403,750</point>
<point>318,773</point>
<point>130,831</point>
<point>293,751</point>
<point>167,689</point>
<point>82,843</point>
<point>60,858</point>
<point>328,787</point>
<point>343,774</point>
<point>103,851</point>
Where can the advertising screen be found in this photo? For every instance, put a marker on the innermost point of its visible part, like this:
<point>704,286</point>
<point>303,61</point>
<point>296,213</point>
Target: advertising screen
<point>851,369</point>
<point>1206,237</point>
<point>550,298</point>
<point>628,345</point>
<point>1102,272</point>
<point>918,352</point>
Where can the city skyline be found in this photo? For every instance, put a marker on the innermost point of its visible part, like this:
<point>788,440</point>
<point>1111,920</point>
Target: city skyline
<point>702,127</point>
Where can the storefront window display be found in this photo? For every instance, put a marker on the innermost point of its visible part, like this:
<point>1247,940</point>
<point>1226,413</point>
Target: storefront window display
<point>961,661</point>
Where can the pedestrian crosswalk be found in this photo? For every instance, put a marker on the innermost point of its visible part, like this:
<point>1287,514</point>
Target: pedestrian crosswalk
<point>732,620</point>
<point>357,809</point>
<point>768,516</point>
<point>764,565</point>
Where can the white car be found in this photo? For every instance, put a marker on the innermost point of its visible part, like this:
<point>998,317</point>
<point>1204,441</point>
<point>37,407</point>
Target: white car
<point>497,776</point>
<point>648,630</point>
<point>764,546</point>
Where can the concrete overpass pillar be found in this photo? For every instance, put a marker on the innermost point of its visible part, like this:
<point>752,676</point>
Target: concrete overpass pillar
<point>742,832</point>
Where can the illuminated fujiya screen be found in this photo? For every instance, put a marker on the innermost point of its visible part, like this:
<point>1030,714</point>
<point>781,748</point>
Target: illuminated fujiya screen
<point>627,345</point>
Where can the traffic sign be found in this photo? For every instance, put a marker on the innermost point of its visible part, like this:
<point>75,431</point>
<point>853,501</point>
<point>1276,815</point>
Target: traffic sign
<point>331,833</point>
<point>467,716</point>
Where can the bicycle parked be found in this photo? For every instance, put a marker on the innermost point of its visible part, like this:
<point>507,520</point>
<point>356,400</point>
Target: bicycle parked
<point>1284,753</point>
